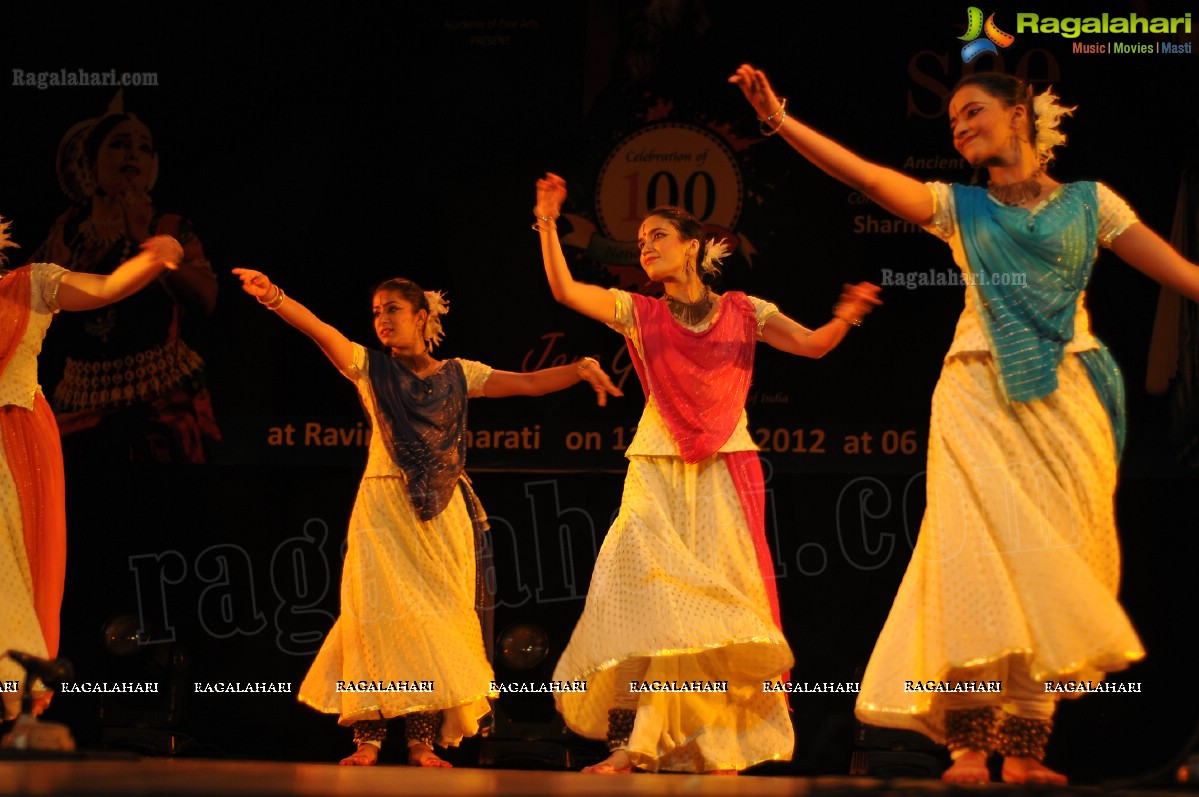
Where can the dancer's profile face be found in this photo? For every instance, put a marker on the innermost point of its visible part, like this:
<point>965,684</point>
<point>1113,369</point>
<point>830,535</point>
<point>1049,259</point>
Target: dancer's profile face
<point>398,325</point>
<point>983,125</point>
<point>663,250</point>
<point>125,160</point>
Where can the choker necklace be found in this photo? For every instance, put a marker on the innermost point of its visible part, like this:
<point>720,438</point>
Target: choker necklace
<point>690,313</point>
<point>1013,194</point>
<point>416,363</point>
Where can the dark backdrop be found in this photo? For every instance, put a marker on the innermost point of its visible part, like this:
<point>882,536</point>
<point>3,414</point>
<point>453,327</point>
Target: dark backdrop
<point>333,145</point>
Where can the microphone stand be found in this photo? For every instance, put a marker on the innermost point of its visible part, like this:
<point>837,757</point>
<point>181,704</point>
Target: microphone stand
<point>31,734</point>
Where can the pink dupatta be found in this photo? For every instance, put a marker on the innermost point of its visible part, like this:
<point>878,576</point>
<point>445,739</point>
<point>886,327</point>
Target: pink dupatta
<point>700,382</point>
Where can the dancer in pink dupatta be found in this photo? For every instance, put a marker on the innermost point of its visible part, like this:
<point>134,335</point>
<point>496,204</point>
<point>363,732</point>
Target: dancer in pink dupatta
<point>682,596</point>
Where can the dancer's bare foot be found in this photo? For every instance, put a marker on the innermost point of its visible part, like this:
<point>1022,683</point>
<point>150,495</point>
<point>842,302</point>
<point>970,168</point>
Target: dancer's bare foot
<point>367,755</point>
<point>969,767</point>
<point>422,755</point>
<point>1029,770</point>
<point>618,763</point>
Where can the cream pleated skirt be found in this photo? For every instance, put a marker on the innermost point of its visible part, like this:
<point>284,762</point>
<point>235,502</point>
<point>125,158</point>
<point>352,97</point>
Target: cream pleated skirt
<point>677,587</point>
<point>1017,561</point>
<point>407,617</point>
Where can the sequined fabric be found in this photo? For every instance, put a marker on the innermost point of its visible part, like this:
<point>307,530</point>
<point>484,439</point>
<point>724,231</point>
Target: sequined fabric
<point>408,599</point>
<point>699,379</point>
<point>1017,563</point>
<point>1017,555</point>
<point>678,584</point>
<point>423,424</point>
<point>1052,251</point>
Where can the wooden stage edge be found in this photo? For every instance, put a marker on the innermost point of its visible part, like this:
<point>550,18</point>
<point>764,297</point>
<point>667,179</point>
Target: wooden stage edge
<point>169,777</point>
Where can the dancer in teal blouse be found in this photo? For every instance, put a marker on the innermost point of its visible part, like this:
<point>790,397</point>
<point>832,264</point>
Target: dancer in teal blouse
<point>1015,574</point>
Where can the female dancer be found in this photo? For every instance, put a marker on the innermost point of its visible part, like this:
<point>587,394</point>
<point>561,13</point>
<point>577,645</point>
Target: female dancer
<point>1016,569</point>
<point>409,587</point>
<point>683,590</point>
<point>32,484</point>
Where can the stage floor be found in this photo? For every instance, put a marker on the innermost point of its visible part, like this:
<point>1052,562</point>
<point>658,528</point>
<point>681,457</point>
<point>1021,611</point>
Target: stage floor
<point>166,777</point>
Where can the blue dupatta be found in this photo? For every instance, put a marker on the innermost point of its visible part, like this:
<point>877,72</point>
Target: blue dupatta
<point>1029,323</point>
<point>424,430</point>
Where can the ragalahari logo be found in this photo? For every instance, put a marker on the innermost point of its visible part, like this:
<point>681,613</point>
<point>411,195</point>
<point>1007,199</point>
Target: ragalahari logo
<point>975,27</point>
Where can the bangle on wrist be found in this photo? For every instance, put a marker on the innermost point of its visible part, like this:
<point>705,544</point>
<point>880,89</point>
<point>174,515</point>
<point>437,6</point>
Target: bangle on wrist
<point>544,223</point>
<point>853,322</point>
<point>276,301</point>
<point>583,364</point>
<point>764,121</point>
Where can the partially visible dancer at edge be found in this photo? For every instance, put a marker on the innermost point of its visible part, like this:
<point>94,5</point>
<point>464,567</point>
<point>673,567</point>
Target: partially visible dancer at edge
<point>33,508</point>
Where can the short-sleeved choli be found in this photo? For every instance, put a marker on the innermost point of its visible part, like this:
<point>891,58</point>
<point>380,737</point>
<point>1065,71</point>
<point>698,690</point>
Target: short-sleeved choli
<point>1115,216</point>
<point>653,438</point>
<point>20,383</point>
<point>378,459</point>
<point>622,321</point>
<point>476,373</point>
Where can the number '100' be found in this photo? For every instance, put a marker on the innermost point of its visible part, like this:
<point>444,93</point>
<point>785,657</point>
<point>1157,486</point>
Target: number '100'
<point>672,194</point>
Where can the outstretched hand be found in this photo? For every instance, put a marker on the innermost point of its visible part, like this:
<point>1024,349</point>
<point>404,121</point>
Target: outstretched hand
<point>757,90</point>
<point>253,282</point>
<point>858,300</point>
<point>165,249</point>
<point>599,381</point>
<point>551,193</point>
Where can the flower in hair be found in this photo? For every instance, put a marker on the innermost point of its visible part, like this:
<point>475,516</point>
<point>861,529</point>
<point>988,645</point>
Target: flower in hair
<point>438,306</point>
<point>715,252</point>
<point>1049,113</point>
<point>5,241</point>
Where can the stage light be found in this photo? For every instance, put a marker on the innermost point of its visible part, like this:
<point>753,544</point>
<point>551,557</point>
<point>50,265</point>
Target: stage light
<point>121,635</point>
<point>523,646</point>
<point>148,723</point>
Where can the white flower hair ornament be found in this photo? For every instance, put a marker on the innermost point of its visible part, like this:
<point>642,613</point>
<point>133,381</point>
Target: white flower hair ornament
<point>1048,112</point>
<point>438,307</point>
<point>5,241</point>
<point>714,253</point>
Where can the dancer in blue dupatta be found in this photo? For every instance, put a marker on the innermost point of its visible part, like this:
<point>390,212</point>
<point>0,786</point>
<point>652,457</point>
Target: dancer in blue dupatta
<point>1015,573</point>
<point>411,591</point>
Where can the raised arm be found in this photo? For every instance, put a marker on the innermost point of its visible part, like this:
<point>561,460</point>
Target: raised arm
<point>550,380</point>
<point>902,195</point>
<point>590,300</point>
<point>1146,251</point>
<point>336,346</point>
<point>785,334</point>
<point>79,291</point>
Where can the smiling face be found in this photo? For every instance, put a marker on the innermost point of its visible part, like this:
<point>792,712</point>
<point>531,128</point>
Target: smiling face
<point>665,253</point>
<point>983,126</point>
<point>399,326</point>
<point>125,159</point>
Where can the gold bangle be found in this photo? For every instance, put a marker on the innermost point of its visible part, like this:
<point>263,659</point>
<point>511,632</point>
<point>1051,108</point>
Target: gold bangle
<point>277,302</point>
<point>550,221</point>
<point>767,131</point>
<point>263,300</point>
<point>764,121</point>
<point>853,322</point>
<point>581,365</point>
<point>780,109</point>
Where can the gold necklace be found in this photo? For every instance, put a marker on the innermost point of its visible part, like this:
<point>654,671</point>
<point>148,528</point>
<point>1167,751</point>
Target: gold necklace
<point>690,313</point>
<point>1013,194</point>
